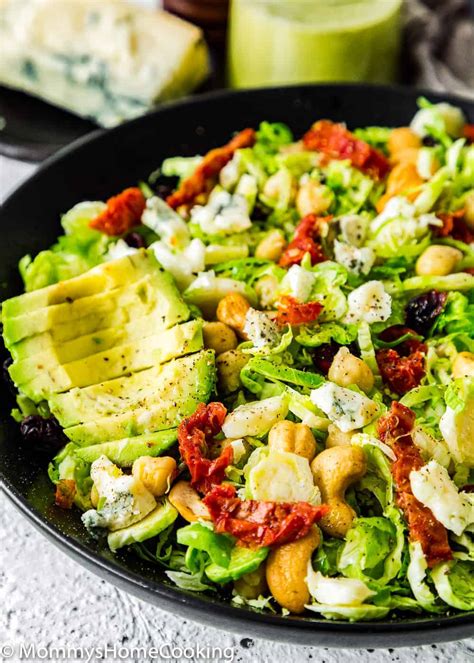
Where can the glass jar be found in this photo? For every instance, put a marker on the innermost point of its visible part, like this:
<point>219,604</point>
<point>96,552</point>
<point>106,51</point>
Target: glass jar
<point>298,41</point>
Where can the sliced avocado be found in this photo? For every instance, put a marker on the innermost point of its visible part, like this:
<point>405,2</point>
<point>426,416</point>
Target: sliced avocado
<point>42,347</point>
<point>156,291</point>
<point>156,521</point>
<point>107,276</point>
<point>242,561</point>
<point>125,452</point>
<point>50,378</point>
<point>168,382</point>
<point>173,400</point>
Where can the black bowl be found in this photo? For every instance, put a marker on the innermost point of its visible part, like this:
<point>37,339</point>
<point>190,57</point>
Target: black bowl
<point>98,166</point>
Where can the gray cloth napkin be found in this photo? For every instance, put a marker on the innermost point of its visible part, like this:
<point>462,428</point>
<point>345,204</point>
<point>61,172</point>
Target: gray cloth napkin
<point>439,46</point>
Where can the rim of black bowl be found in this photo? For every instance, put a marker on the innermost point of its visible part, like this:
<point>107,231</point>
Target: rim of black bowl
<point>302,630</point>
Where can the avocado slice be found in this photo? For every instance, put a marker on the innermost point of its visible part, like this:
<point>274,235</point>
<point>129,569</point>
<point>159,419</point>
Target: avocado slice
<point>191,382</point>
<point>50,378</point>
<point>242,561</point>
<point>155,291</point>
<point>44,347</point>
<point>193,374</point>
<point>156,521</point>
<point>106,276</point>
<point>124,452</point>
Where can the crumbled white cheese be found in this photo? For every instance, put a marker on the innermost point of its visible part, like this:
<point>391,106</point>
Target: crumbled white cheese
<point>433,487</point>
<point>348,409</point>
<point>184,265</point>
<point>225,214</point>
<point>354,259</point>
<point>119,250</point>
<point>260,329</point>
<point>166,223</point>
<point>298,283</point>
<point>354,229</point>
<point>369,302</point>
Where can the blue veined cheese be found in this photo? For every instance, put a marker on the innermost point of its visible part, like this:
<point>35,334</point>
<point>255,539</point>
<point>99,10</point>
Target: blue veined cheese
<point>101,59</point>
<point>261,329</point>
<point>348,409</point>
<point>123,499</point>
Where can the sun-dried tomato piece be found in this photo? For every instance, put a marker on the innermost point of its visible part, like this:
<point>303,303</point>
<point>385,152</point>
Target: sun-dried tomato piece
<point>194,435</point>
<point>65,493</point>
<point>305,240</point>
<point>421,312</point>
<point>257,523</point>
<point>337,142</point>
<point>394,429</point>
<point>468,132</point>
<point>123,212</point>
<point>454,226</point>
<point>401,373</point>
<point>211,165</point>
<point>293,312</point>
<point>402,368</point>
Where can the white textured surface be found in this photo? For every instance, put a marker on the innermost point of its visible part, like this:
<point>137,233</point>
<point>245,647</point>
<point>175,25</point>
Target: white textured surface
<point>48,599</point>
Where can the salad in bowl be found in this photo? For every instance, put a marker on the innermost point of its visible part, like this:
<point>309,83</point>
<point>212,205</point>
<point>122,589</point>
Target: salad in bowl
<point>256,369</point>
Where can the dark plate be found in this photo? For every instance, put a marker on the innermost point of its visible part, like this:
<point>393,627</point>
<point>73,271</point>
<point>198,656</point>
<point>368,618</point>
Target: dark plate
<point>100,165</point>
<point>33,129</point>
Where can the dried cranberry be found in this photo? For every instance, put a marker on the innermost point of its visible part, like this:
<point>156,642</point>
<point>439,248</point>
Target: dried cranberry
<point>429,141</point>
<point>163,190</point>
<point>323,356</point>
<point>6,375</point>
<point>44,434</point>
<point>135,240</point>
<point>422,311</point>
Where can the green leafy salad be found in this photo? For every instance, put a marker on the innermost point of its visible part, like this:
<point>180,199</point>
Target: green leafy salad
<point>256,369</point>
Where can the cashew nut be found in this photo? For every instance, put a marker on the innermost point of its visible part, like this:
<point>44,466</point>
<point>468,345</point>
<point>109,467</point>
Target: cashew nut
<point>346,369</point>
<point>334,470</point>
<point>252,585</point>
<point>313,198</point>
<point>463,365</point>
<point>438,260</point>
<point>469,209</point>
<point>400,139</point>
<point>219,337</point>
<point>271,246</point>
<point>156,474</point>
<point>403,179</point>
<point>296,438</point>
<point>232,310</point>
<point>187,502</point>
<point>337,437</point>
<point>286,571</point>
<point>229,364</point>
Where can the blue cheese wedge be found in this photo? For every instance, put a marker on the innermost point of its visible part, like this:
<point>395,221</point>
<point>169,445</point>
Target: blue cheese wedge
<point>101,59</point>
